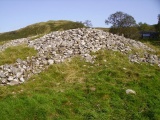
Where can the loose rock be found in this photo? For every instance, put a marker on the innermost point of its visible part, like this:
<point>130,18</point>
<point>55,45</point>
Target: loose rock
<point>130,91</point>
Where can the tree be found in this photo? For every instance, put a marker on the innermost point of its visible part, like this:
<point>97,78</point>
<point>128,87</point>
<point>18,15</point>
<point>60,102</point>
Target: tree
<point>158,25</point>
<point>145,27</point>
<point>87,23</point>
<point>122,23</point>
<point>120,19</point>
<point>128,32</point>
<point>158,18</point>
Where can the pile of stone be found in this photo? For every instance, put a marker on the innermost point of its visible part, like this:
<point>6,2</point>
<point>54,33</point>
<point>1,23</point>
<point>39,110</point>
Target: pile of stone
<point>58,46</point>
<point>148,58</point>
<point>14,43</point>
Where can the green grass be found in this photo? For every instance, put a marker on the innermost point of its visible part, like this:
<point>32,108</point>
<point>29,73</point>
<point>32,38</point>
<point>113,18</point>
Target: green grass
<point>39,28</point>
<point>154,42</point>
<point>77,90</point>
<point>11,54</point>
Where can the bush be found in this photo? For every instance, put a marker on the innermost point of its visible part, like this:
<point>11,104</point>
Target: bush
<point>128,32</point>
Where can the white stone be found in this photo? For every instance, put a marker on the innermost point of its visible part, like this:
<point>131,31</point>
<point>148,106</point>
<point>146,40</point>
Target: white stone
<point>50,61</point>
<point>24,67</point>
<point>22,79</point>
<point>130,91</point>
<point>10,78</point>
<point>70,51</point>
<point>83,43</point>
<point>13,83</point>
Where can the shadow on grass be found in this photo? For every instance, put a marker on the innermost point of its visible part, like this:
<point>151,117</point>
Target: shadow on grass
<point>154,42</point>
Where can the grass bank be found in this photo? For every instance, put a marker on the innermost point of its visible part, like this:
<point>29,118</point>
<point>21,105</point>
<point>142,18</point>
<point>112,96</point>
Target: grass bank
<point>77,90</point>
<point>11,54</point>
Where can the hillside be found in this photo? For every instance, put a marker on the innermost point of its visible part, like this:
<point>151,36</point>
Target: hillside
<point>79,74</point>
<point>39,29</point>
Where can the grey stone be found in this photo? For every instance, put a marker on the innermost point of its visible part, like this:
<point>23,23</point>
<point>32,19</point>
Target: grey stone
<point>19,60</point>
<point>14,70</point>
<point>2,75</point>
<point>19,74</point>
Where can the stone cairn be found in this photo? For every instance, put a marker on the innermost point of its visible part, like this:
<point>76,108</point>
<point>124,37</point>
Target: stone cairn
<point>58,46</point>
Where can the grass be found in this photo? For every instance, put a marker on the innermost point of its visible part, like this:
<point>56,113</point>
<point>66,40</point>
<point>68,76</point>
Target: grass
<point>77,90</point>
<point>11,54</point>
<point>104,29</point>
<point>39,29</point>
<point>37,36</point>
<point>154,42</point>
<point>2,42</point>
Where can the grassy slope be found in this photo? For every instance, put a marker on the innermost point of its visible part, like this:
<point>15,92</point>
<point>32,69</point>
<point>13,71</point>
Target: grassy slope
<point>40,28</point>
<point>154,42</point>
<point>78,90</point>
<point>11,54</point>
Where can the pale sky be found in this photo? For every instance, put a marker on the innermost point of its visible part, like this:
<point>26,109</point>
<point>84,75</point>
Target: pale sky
<point>16,14</point>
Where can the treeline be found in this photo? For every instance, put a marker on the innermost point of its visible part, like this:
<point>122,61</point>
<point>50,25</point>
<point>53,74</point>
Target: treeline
<point>125,24</point>
<point>122,24</point>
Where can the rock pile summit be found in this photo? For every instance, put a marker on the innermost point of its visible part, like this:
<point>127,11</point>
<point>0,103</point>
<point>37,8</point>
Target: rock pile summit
<point>58,46</point>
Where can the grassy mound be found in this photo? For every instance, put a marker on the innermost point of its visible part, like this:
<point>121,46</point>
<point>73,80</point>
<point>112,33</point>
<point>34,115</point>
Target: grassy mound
<point>11,54</point>
<point>39,29</point>
<point>78,90</point>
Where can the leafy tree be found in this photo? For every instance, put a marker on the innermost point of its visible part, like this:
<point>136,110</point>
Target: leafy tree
<point>87,23</point>
<point>120,19</point>
<point>145,27</point>
<point>129,32</point>
<point>157,26</point>
<point>158,18</point>
<point>122,23</point>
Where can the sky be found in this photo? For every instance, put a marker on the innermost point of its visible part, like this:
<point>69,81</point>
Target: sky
<point>16,14</point>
